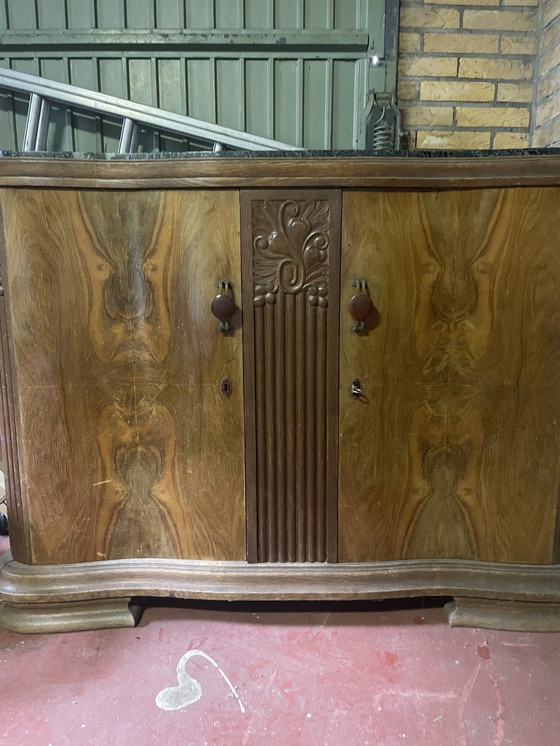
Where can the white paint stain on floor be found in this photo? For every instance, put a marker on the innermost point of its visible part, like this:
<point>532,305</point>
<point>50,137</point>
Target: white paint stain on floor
<point>189,690</point>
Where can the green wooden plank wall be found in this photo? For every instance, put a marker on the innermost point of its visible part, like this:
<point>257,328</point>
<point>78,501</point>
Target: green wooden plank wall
<point>298,71</point>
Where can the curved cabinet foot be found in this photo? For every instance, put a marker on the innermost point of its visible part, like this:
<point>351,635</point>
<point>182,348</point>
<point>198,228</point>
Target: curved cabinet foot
<point>516,616</point>
<point>69,617</point>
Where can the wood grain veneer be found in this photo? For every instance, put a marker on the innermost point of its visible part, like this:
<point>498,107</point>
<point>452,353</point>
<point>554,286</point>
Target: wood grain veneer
<point>453,449</point>
<point>118,363</point>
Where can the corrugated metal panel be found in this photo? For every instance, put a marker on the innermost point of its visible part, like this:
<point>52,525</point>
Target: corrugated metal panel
<point>292,70</point>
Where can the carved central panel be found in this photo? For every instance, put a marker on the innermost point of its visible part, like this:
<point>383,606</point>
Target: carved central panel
<point>291,250</point>
<point>294,256</point>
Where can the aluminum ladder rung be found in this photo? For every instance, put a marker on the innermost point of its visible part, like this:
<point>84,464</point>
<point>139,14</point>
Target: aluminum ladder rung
<point>36,124</point>
<point>128,142</point>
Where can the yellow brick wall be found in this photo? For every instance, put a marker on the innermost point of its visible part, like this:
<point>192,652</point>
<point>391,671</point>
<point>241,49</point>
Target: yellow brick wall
<point>467,71</point>
<point>546,125</point>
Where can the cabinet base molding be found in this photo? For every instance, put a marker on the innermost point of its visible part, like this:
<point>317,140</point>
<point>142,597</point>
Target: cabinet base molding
<point>514,616</point>
<point>69,617</point>
<point>41,598</point>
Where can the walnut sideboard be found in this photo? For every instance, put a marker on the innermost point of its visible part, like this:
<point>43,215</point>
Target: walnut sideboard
<point>317,376</point>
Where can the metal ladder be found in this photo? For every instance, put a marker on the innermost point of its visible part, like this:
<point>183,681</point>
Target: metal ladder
<point>42,91</point>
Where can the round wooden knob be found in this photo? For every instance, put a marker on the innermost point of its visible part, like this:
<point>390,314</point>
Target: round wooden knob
<point>223,308</point>
<point>360,306</point>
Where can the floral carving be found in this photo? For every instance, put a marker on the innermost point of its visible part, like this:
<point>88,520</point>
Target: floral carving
<point>290,249</point>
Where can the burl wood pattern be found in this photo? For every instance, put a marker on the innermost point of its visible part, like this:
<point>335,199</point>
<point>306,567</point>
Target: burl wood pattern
<point>291,263</point>
<point>453,451</point>
<point>127,446</point>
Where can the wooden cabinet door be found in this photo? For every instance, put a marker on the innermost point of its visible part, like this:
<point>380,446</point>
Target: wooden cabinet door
<point>127,447</point>
<point>453,448</point>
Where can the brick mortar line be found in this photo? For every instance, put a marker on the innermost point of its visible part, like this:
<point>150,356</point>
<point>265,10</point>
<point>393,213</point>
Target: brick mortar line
<point>464,31</point>
<point>431,4</point>
<point>465,6</point>
<point>469,104</point>
<point>466,128</point>
<point>511,57</point>
<point>454,102</point>
<point>482,54</point>
<point>452,79</point>
<point>447,79</point>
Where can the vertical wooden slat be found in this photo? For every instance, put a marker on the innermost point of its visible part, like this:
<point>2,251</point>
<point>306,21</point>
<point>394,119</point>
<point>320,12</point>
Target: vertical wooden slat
<point>271,98</point>
<point>270,422</point>
<point>257,14</point>
<point>344,13</point>
<point>287,118</point>
<point>301,414</point>
<point>343,104</point>
<point>258,88</point>
<point>7,123</point>
<point>359,68</point>
<point>291,420</point>
<point>260,410</point>
<point>241,96</point>
<point>199,14</point>
<point>51,14</point>
<point>313,96</point>
<point>330,14</point>
<point>22,14</point>
<point>81,14</point>
<point>311,427</point>
<point>227,14</point>
<point>280,444</point>
<point>139,14</point>
<point>299,119</point>
<point>212,89</point>
<point>316,14</point>
<point>321,435</point>
<point>169,14</point>
<point>201,104</point>
<point>110,14</point>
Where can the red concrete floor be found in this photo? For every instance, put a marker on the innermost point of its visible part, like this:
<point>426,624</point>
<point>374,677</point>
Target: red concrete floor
<point>304,674</point>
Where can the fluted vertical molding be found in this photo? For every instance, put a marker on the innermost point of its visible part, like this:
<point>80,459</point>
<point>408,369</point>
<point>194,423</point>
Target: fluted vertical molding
<point>290,246</point>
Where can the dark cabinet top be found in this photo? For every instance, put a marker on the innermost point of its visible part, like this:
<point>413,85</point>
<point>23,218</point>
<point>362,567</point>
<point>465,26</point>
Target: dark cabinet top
<point>286,154</point>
